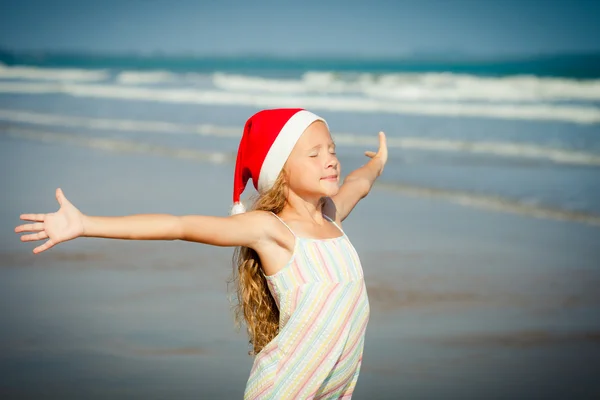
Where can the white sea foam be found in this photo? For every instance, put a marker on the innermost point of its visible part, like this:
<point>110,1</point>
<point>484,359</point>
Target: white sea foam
<point>116,124</point>
<point>118,145</point>
<point>492,203</point>
<point>582,114</point>
<point>146,77</point>
<point>52,74</point>
<point>162,77</point>
<point>496,148</point>
<point>420,86</point>
<point>448,87</point>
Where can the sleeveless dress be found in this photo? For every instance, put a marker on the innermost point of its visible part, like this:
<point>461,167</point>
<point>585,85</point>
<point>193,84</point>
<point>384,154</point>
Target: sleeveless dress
<point>323,315</point>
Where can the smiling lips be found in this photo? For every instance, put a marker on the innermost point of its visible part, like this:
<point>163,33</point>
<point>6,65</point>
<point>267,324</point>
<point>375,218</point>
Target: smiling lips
<point>330,178</point>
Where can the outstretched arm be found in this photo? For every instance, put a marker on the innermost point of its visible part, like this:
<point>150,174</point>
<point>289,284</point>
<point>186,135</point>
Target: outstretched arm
<point>238,230</point>
<point>69,223</point>
<point>360,181</point>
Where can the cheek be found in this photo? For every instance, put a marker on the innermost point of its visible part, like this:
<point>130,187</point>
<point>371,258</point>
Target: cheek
<point>299,171</point>
<point>310,170</point>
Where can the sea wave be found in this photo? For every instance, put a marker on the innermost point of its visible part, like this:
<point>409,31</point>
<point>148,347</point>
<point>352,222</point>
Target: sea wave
<point>146,77</point>
<point>430,86</point>
<point>163,127</point>
<point>116,145</point>
<point>420,86</point>
<point>162,78</point>
<point>580,114</point>
<point>53,74</point>
<point>494,148</point>
<point>475,200</point>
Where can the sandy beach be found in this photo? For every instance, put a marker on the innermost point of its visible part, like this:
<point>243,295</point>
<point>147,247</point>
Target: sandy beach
<point>465,303</point>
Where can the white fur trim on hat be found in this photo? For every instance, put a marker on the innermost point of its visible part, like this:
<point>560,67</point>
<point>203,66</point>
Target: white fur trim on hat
<point>282,147</point>
<point>238,208</point>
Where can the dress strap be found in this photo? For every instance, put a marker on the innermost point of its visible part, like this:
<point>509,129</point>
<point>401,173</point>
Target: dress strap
<point>286,225</point>
<point>336,225</point>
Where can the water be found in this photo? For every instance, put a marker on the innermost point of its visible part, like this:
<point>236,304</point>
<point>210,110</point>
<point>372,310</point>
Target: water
<point>518,135</point>
<point>575,65</point>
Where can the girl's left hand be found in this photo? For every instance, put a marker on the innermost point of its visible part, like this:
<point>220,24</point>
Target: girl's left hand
<point>382,153</point>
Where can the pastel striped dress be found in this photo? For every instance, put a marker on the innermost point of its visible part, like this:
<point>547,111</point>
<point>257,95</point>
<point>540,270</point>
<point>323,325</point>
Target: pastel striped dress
<point>323,315</point>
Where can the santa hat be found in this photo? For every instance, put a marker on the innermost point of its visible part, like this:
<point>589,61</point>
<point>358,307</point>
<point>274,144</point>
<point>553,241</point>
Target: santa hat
<point>268,139</point>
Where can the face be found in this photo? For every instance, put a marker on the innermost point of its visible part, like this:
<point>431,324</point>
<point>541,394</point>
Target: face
<point>312,169</point>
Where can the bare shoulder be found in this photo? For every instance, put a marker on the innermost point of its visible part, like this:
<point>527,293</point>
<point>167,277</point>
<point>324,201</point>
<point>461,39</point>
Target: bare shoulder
<point>274,232</point>
<point>258,218</point>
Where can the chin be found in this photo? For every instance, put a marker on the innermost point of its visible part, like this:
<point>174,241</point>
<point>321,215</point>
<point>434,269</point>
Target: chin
<point>331,189</point>
<point>333,192</point>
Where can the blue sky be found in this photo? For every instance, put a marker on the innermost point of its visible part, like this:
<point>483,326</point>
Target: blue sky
<point>374,27</point>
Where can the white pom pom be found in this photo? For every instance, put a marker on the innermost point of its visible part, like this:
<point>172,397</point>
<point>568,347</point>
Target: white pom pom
<point>238,208</point>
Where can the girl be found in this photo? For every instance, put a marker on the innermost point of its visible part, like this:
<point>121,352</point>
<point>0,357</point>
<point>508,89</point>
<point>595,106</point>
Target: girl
<point>299,281</point>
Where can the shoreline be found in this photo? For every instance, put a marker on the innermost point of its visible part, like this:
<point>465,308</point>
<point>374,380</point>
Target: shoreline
<point>460,197</point>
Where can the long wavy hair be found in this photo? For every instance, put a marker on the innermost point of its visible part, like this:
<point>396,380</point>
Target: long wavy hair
<point>254,303</point>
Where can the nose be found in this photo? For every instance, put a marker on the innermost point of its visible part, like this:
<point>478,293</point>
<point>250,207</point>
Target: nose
<point>332,162</point>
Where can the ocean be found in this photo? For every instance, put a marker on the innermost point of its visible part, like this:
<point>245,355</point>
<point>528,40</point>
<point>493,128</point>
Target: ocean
<point>517,135</point>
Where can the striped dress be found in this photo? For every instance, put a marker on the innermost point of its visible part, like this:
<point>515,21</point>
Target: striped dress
<point>323,315</point>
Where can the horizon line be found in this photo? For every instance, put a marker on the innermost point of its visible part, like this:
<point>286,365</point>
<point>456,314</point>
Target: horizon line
<point>443,55</point>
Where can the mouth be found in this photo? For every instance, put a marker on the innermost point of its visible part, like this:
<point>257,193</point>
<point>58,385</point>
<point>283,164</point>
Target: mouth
<point>331,178</point>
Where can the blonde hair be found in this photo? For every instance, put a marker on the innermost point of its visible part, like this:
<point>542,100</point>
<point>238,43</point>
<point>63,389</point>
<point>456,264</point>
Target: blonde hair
<point>254,303</point>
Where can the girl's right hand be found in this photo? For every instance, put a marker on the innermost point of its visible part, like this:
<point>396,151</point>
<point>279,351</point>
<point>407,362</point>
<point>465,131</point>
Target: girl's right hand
<point>65,224</point>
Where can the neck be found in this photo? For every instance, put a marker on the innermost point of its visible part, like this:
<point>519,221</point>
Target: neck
<point>304,208</point>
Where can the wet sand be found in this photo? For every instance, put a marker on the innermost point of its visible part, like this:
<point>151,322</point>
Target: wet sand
<point>465,303</point>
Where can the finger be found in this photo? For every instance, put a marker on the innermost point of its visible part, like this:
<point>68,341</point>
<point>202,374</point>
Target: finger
<point>382,141</point>
<point>370,154</point>
<point>33,217</point>
<point>43,247</point>
<point>38,226</point>
<point>34,236</point>
<point>60,196</point>
<point>383,150</point>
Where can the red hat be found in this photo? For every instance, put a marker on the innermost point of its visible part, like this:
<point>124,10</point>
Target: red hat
<point>268,139</point>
